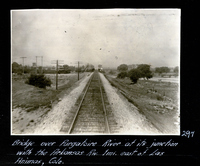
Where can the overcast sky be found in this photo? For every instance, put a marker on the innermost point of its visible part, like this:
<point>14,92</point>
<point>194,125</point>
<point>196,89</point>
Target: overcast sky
<point>102,36</point>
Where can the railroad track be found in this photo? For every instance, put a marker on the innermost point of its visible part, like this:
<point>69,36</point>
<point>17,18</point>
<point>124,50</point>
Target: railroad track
<point>92,112</point>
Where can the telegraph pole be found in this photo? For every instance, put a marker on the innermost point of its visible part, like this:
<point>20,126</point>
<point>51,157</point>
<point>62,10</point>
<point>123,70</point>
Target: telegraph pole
<point>41,63</point>
<point>23,63</point>
<point>78,70</point>
<point>56,74</point>
<point>57,62</point>
<point>79,62</point>
<point>36,66</point>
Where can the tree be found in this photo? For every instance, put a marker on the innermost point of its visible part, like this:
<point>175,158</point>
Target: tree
<point>134,75</point>
<point>145,71</point>
<point>149,75</point>
<point>66,69</point>
<point>80,69</point>
<point>176,69</point>
<point>161,70</point>
<point>122,74</point>
<point>89,68</point>
<point>27,69</point>
<point>122,68</point>
<point>40,70</point>
<point>16,68</point>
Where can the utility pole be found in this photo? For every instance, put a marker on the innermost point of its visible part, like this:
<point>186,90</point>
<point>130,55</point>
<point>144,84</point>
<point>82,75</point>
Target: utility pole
<point>56,74</point>
<point>79,62</point>
<point>57,62</point>
<point>36,66</point>
<point>41,63</point>
<point>23,63</point>
<point>78,70</point>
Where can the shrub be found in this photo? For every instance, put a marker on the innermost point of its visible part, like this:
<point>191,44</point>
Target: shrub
<point>122,74</point>
<point>159,97</point>
<point>38,80</point>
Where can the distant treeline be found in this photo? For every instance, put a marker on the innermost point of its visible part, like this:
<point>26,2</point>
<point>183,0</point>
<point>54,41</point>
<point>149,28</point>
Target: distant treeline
<point>134,72</point>
<point>65,69</point>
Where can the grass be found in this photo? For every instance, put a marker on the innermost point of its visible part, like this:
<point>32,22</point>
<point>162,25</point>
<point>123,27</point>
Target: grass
<point>24,95</point>
<point>146,94</point>
<point>31,98</point>
<point>157,101</point>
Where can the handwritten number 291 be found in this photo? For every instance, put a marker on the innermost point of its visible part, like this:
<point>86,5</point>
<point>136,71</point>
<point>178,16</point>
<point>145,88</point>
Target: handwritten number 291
<point>188,134</point>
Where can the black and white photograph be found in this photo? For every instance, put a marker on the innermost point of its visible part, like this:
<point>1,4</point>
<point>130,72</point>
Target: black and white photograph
<point>95,72</point>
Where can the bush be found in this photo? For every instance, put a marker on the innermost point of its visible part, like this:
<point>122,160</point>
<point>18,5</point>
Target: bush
<point>159,97</point>
<point>122,74</point>
<point>38,80</point>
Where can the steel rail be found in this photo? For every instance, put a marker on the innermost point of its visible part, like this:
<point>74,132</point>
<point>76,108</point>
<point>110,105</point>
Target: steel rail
<point>104,108</point>
<point>73,121</point>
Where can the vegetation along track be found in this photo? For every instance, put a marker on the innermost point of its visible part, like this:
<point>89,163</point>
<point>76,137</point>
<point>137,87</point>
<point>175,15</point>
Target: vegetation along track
<point>92,112</point>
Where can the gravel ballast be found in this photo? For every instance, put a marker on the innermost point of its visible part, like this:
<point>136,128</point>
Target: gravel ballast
<point>126,114</point>
<point>53,121</point>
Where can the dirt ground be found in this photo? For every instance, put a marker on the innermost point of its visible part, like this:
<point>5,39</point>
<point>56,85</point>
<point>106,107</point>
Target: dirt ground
<point>157,101</point>
<point>30,104</point>
<point>127,115</point>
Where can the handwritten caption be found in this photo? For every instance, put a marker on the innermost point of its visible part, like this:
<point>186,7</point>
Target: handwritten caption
<point>188,133</point>
<point>57,150</point>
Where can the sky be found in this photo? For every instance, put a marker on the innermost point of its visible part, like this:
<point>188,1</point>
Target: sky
<point>109,37</point>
